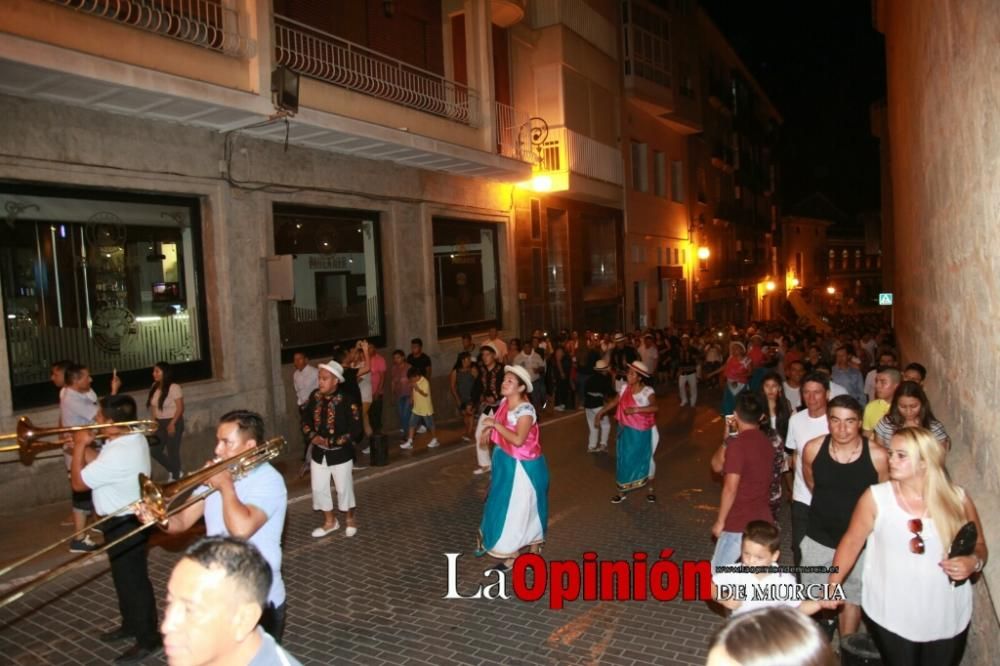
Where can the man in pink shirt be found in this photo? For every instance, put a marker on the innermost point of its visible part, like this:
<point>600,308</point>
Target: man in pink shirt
<point>378,368</point>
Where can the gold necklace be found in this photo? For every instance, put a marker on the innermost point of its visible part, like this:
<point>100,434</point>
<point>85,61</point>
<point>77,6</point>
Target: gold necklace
<point>850,456</point>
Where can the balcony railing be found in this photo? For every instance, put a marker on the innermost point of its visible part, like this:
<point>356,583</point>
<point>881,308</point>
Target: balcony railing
<point>207,23</point>
<point>646,32</point>
<point>514,134</point>
<point>323,56</point>
<point>566,150</point>
<point>578,17</point>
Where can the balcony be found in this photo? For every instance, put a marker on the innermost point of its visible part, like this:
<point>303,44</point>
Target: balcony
<point>566,151</point>
<point>514,133</point>
<point>210,24</point>
<point>578,17</point>
<point>329,58</point>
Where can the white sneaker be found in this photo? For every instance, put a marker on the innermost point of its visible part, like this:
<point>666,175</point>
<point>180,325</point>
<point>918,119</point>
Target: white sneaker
<point>481,470</point>
<point>323,531</point>
<point>350,531</point>
<point>592,449</point>
<point>433,444</point>
<point>408,444</point>
<point>366,450</point>
<point>466,438</point>
<point>684,404</point>
<point>560,408</point>
<point>422,429</point>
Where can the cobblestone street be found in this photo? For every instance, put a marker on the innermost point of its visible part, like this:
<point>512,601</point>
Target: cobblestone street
<point>377,598</point>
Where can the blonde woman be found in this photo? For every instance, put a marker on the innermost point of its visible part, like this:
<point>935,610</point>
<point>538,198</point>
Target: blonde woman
<point>914,595</point>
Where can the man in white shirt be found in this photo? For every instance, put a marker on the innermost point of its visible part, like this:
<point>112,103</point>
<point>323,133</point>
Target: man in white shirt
<point>113,476</point>
<point>804,426</point>
<point>530,360</point>
<point>78,406</point>
<point>499,345</point>
<point>792,386</point>
<point>305,379</point>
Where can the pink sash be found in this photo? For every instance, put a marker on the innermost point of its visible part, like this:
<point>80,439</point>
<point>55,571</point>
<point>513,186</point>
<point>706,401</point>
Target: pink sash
<point>531,448</point>
<point>641,421</point>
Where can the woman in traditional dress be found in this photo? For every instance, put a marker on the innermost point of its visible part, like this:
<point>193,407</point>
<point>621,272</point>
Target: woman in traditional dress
<point>517,507</point>
<point>637,434</point>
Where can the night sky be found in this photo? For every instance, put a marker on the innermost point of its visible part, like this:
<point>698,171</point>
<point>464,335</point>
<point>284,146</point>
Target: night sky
<point>822,64</point>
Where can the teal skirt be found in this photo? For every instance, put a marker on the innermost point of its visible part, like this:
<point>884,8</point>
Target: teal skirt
<point>634,453</point>
<point>517,507</point>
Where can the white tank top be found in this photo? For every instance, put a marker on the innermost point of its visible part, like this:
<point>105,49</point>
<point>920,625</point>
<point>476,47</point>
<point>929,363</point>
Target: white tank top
<point>909,594</point>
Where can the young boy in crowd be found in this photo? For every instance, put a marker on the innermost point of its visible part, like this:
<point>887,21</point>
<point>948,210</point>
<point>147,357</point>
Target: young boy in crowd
<point>423,408</point>
<point>761,548</point>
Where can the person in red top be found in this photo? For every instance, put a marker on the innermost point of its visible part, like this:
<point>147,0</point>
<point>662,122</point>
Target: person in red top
<point>736,372</point>
<point>746,485</point>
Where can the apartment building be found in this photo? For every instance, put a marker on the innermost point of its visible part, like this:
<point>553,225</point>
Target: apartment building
<point>161,205</point>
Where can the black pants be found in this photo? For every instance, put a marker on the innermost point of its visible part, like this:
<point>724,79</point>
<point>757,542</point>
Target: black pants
<point>130,573</point>
<point>168,451</point>
<point>375,414</point>
<point>800,523</point>
<point>273,621</point>
<point>898,651</point>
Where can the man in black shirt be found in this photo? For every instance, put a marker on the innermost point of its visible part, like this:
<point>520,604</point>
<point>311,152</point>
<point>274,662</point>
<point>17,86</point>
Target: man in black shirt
<point>687,371</point>
<point>486,394</point>
<point>418,359</point>
<point>331,422</point>
<point>622,356</point>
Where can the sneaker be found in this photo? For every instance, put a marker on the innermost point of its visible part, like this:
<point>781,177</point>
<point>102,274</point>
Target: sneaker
<point>84,545</point>
<point>481,470</point>
<point>408,444</point>
<point>617,499</point>
<point>323,531</point>
<point>366,450</point>
<point>604,448</point>
<point>422,429</point>
<point>559,408</point>
<point>684,404</point>
<point>350,531</point>
<point>592,449</point>
<point>466,438</point>
<point>433,444</point>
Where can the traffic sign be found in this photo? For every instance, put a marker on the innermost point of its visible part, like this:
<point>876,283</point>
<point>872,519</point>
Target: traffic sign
<point>885,298</point>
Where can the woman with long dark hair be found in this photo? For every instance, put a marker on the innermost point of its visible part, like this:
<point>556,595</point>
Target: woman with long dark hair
<point>910,408</point>
<point>775,425</point>
<point>166,405</point>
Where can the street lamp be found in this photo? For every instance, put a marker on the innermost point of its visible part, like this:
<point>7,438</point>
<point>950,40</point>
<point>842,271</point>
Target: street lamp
<point>770,285</point>
<point>704,253</point>
<point>795,282</point>
<point>831,290</point>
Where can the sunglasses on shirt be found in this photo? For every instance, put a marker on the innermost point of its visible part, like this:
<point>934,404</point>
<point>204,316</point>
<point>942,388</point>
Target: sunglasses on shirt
<point>916,526</point>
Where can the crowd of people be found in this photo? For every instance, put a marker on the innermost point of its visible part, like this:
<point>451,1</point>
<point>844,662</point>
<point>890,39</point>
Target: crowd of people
<point>824,422</point>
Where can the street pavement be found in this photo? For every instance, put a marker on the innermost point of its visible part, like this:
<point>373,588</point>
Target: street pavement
<point>378,598</point>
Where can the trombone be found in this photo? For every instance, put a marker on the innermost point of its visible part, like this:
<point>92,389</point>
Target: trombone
<point>161,501</point>
<point>30,439</point>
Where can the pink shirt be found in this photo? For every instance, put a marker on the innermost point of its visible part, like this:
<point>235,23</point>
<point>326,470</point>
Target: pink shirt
<point>400,383</point>
<point>627,399</point>
<point>532,446</point>
<point>377,366</point>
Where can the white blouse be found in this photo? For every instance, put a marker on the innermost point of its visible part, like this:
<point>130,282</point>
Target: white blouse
<point>906,593</point>
<point>174,393</point>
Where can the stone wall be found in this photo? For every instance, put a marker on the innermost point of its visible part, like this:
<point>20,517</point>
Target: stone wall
<point>944,124</point>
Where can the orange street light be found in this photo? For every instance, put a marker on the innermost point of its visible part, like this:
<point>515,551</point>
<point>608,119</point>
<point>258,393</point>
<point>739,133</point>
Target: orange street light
<point>770,285</point>
<point>831,290</point>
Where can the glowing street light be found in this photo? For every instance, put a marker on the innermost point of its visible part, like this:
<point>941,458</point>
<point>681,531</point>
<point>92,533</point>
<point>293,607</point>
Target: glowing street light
<point>795,282</point>
<point>831,290</point>
<point>770,285</point>
<point>704,253</point>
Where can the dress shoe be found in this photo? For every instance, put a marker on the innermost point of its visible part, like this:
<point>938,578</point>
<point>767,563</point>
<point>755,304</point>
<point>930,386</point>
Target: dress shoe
<point>137,653</point>
<point>115,635</point>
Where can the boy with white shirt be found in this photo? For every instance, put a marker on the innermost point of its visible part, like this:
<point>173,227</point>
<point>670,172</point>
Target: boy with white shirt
<point>77,407</point>
<point>804,426</point>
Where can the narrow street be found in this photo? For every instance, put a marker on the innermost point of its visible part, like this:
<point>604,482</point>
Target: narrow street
<point>377,598</point>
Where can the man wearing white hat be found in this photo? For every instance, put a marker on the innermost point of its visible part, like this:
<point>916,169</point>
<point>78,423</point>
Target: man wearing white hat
<point>596,392</point>
<point>331,422</point>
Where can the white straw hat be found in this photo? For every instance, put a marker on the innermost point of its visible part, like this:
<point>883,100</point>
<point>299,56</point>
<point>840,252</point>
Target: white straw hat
<point>333,368</point>
<point>521,373</point>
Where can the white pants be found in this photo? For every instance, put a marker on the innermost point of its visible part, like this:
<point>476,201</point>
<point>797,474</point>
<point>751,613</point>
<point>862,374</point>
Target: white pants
<point>483,457</point>
<point>652,453</point>
<point>690,380</point>
<point>602,428</point>
<point>342,475</point>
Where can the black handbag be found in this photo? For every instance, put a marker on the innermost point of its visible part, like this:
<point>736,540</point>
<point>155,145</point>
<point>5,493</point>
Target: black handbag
<point>964,544</point>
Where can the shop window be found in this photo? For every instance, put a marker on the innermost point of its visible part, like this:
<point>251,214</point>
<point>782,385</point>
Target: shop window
<point>338,295</point>
<point>107,279</point>
<point>466,276</point>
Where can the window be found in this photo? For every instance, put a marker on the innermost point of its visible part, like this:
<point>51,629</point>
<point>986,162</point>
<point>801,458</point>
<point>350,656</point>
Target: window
<point>466,276</point>
<point>107,279</point>
<point>338,294</point>
<point>677,256</point>
<point>600,250</point>
<point>844,256</point>
<point>677,181</point>
<point>857,259</point>
<point>537,270</point>
<point>659,255</point>
<point>536,219</point>
<point>833,259</point>
<point>684,256</point>
<point>640,168</point>
<point>660,166</point>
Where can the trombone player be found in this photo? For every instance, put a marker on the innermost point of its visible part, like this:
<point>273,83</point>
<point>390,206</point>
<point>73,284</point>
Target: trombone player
<point>112,476</point>
<point>252,508</point>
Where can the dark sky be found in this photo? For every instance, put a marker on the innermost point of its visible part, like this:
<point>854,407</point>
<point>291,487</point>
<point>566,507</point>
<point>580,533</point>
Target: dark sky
<point>822,64</point>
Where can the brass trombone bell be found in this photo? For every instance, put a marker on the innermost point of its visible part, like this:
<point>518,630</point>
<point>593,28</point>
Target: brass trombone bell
<point>30,439</point>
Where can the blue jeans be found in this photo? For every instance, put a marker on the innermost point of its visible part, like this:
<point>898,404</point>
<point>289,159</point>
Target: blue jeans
<point>728,550</point>
<point>404,406</point>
